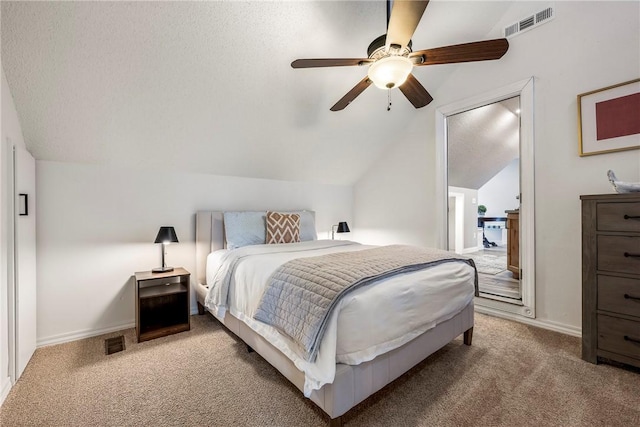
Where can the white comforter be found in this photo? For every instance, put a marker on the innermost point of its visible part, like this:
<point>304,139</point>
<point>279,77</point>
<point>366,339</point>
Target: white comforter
<point>369,321</point>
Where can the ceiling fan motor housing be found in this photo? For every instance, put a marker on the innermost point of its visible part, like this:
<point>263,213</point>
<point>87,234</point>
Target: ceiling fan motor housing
<point>376,49</point>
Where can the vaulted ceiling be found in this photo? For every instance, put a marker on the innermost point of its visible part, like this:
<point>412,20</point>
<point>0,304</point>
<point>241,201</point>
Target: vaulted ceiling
<point>482,142</point>
<point>207,86</point>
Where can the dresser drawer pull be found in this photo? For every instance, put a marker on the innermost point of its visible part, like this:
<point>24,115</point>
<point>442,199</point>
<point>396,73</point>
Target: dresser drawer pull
<point>627,296</point>
<point>628,338</point>
<point>628,255</point>
<point>632,217</point>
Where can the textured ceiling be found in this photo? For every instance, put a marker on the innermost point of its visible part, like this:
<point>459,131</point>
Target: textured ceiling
<point>482,142</point>
<point>207,86</point>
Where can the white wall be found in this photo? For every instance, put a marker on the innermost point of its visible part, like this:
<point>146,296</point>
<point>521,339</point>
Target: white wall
<point>395,200</point>
<point>97,224</point>
<point>471,198</point>
<point>9,128</point>
<point>498,195</point>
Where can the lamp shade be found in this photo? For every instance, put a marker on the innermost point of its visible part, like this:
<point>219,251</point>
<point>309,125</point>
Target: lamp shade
<point>390,71</point>
<point>343,228</point>
<point>166,235</point>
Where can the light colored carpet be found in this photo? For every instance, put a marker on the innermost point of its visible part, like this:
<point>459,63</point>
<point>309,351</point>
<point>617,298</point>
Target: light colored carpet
<point>512,375</point>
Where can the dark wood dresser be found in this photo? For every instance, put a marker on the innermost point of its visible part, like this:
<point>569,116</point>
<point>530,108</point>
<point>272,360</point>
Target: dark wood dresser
<point>611,278</point>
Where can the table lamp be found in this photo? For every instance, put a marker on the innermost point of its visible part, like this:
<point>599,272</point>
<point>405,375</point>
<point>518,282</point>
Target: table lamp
<point>342,227</point>
<point>165,236</point>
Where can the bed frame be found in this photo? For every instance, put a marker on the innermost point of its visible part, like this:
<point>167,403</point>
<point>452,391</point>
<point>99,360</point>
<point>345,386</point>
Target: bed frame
<point>352,384</point>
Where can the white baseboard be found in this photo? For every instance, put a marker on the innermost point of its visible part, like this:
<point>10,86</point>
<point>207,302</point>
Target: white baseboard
<point>469,250</point>
<point>544,324</point>
<point>78,335</point>
<point>88,333</point>
<point>6,388</point>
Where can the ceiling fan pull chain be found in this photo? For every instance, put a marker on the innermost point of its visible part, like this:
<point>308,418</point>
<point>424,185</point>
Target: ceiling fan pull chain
<point>389,98</point>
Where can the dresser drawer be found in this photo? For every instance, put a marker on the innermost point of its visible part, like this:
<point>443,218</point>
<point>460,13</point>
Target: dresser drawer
<point>619,295</point>
<point>618,216</point>
<point>619,253</point>
<point>619,336</point>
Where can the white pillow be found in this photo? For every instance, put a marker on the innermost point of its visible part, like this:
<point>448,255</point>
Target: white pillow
<point>244,228</point>
<point>307,225</point>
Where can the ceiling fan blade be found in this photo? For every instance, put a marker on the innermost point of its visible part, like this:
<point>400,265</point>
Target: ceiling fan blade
<point>415,92</point>
<point>329,62</point>
<point>405,16</point>
<point>352,94</point>
<point>466,52</point>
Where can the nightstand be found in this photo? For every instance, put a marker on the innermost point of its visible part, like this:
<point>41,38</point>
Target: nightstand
<point>162,303</point>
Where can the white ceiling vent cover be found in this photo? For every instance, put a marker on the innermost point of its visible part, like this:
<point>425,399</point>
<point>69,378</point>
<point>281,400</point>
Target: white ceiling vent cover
<point>529,22</point>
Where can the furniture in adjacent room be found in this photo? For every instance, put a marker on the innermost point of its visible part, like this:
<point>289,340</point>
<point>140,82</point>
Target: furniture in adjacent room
<point>162,303</point>
<point>513,242</point>
<point>482,220</point>
<point>611,278</point>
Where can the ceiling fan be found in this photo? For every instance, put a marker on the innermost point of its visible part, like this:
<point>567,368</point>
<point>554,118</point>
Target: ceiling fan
<point>391,59</point>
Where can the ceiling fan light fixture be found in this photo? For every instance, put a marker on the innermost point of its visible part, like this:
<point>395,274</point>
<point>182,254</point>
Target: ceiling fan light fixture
<point>390,72</point>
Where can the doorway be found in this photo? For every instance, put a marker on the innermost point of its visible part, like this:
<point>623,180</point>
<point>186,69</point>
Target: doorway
<point>485,153</point>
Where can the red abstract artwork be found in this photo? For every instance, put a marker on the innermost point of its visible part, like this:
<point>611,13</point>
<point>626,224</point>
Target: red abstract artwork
<point>618,117</point>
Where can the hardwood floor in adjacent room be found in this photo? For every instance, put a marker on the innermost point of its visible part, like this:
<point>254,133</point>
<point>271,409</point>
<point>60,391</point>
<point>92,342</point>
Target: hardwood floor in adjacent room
<point>493,276</point>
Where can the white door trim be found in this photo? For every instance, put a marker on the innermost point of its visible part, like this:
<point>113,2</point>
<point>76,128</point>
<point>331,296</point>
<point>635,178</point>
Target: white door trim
<point>11,289</point>
<point>459,225</point>
<point>524,89</point>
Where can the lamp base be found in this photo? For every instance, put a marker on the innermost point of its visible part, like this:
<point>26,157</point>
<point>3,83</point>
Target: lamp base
<point>161,269</point>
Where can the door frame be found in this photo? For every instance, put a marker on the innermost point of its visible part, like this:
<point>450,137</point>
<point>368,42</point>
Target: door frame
<point>11,283</point>
<point>459,213</point>
<point>524,89</point>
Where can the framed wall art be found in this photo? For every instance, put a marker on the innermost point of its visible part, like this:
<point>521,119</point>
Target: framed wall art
<point>609,119</point>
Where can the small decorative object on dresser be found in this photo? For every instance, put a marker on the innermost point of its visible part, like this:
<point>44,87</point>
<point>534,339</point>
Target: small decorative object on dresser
<point>621,186</point>
<point>611,278</point>
<point>162,303</point>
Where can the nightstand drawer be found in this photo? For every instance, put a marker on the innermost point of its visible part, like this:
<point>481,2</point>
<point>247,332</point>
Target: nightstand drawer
<point>619,253</point>
<point>619,216</point>
<point>619,336</point>
<point>619,295</point>
<point>159,282</point>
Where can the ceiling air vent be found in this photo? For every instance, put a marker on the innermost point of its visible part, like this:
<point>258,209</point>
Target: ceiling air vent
<point>529,22</point>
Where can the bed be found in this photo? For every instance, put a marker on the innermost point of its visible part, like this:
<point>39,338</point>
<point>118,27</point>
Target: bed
<point>354,375</point>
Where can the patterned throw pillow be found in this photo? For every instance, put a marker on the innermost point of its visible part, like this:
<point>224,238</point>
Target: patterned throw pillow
<point>283,228</point>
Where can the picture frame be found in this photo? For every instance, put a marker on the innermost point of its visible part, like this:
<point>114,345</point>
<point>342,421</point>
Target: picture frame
<point>608,119</point>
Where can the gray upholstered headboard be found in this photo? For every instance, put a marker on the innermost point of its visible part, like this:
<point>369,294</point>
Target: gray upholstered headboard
<point>209,238</point>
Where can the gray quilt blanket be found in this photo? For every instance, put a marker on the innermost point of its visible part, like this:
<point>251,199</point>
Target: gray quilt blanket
<point>302,293</point>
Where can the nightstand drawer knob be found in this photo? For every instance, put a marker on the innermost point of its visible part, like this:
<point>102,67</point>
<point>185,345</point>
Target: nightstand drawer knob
<point>632,217</point>
<point>627,296</point>
<point>629,255</point>
<point>628,338</point>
